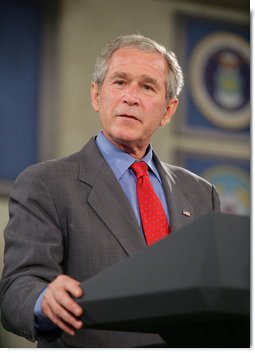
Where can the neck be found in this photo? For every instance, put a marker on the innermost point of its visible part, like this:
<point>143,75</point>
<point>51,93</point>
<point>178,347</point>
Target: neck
<point>135,150</point>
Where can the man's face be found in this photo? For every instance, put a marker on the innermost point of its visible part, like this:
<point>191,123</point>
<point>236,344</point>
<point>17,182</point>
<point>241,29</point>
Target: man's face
<point>132,101</point>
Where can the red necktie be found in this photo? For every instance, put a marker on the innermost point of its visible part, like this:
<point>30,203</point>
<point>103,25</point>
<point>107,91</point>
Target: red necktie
<point>154,221</point>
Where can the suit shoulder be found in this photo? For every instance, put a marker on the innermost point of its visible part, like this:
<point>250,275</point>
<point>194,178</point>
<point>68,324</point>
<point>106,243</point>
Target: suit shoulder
<point>199,191</point>
<point>51,169</point>
<point>61,167</point>
<point>184,176</point>
<point>182,172</point>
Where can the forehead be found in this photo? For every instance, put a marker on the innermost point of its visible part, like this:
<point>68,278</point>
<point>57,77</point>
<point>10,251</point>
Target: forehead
<point>136,61</point>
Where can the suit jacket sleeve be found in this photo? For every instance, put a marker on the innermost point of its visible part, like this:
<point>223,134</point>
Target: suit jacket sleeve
<point>34,251</point>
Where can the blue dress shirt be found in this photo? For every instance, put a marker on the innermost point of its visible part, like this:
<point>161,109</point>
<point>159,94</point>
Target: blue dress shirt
<point>119,161</point>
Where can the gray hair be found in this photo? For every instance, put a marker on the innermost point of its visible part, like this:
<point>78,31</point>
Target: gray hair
<point>174,81</point>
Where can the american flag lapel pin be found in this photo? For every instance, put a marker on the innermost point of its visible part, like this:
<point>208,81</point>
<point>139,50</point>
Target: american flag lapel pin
<point>186,213</point>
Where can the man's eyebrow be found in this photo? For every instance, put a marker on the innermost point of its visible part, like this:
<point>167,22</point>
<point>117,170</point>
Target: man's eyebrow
<point>143,78</point>
<point>120,75</point>
<point>148,79</point>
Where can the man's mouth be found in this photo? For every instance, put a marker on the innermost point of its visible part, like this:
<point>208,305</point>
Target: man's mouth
<point>128,116</point>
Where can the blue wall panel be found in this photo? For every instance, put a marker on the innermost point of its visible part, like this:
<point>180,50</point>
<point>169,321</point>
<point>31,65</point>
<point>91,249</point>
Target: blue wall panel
<point>20,40</point>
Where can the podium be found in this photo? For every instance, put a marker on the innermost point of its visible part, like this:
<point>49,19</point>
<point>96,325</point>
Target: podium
<point>192,288</point>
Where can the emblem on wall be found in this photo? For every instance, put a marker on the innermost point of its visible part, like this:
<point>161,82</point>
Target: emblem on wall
<point>219,79</point>
<point>233,185</point>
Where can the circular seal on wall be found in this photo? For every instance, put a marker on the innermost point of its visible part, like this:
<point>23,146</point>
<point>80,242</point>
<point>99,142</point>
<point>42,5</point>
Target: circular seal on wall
<point>233,185</point>
<point>219,77</point>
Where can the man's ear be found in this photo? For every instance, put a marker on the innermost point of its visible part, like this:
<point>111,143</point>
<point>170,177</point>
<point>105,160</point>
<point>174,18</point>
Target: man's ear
<point>95,96</point>
<point>170,111</point>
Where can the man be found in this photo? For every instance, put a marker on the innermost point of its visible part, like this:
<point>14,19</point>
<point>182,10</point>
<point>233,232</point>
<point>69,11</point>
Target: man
<point>71,218</point>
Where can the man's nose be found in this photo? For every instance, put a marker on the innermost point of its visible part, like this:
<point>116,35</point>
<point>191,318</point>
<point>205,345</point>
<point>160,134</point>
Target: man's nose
<point>131,96</point>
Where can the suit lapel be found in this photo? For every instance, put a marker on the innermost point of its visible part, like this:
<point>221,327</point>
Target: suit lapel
<point>108,199</point>
<point>181,211</point>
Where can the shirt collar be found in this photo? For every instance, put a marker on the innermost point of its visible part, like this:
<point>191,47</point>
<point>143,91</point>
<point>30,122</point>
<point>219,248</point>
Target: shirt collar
<point>119,160</point>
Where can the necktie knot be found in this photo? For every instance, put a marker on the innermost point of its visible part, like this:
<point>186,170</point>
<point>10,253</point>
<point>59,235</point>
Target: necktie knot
<point>140,169</point>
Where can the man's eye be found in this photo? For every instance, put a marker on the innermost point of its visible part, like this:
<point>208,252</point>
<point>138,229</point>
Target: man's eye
<point>119,82</point>
<point>147,87</point>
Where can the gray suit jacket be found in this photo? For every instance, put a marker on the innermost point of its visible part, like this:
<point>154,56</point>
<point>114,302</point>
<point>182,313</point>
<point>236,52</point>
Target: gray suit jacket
<point>71,216</point>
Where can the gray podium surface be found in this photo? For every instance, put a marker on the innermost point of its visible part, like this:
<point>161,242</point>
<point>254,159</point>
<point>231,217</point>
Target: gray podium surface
<point>192,287</point>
